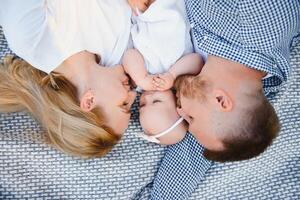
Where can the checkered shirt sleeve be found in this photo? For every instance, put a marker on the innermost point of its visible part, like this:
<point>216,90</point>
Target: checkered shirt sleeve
<point>257,34</point>
<point>182,169</point>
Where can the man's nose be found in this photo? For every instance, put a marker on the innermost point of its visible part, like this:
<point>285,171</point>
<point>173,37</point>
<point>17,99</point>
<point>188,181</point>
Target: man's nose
<point>181,112</point>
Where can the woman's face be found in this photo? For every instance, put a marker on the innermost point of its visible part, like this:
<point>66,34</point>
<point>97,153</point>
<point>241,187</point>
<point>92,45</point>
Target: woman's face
<point>114,97</point>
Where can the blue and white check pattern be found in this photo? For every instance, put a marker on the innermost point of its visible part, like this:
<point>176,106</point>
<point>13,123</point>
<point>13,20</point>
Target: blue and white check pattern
<point>181,170</point>
<point>257,34</point>
<point>183,166</point>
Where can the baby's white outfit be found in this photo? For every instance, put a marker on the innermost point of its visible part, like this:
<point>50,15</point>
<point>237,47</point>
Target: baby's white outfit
<point>162,34</point>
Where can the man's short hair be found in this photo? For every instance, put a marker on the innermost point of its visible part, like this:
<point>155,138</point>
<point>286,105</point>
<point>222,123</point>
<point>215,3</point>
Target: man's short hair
<point>253,129</point>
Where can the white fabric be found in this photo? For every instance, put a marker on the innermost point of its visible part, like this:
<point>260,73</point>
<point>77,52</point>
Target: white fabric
<point>154,138</point>
<point>46,32</point>
<point>162,34</point>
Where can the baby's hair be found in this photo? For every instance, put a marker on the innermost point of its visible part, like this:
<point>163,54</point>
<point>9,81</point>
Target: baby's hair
<point>189,86</point>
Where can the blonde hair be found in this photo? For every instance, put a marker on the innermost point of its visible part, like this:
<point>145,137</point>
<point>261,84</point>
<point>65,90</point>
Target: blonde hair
<point>52,100</point>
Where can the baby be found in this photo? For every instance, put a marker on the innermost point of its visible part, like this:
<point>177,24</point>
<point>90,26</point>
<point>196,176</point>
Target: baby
<point>162,52</point>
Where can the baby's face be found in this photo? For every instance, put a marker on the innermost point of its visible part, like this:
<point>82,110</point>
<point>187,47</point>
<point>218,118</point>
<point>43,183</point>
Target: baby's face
<point>157,111</point>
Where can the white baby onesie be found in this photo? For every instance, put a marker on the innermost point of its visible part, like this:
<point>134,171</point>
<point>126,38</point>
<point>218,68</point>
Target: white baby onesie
<point>162,34</point>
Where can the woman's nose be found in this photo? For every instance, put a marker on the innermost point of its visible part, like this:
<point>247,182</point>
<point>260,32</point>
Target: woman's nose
<point>118,69</point>
<point>147,95</point>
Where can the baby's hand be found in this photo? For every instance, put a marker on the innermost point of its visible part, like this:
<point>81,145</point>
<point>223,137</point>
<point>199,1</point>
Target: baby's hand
<point>147,83</point>
<point>141,5</point>
<point>164,81</point>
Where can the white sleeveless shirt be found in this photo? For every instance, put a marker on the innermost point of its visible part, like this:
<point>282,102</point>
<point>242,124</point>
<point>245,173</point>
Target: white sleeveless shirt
<point>46,32</point>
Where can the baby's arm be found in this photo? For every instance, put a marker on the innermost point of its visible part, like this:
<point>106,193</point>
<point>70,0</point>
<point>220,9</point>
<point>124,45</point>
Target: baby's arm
<point>134,65</point>
<point>189,64</point>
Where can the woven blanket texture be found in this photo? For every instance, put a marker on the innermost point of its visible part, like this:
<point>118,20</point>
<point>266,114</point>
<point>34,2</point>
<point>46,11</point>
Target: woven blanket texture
<point>273,175</point>
<point>276,173</point>
<point>30,169</point>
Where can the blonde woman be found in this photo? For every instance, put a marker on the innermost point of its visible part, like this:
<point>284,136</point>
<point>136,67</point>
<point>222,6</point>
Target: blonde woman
<point>82,105</point>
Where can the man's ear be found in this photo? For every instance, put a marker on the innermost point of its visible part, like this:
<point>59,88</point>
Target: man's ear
<point>223,101</point>
<point>87,101</point>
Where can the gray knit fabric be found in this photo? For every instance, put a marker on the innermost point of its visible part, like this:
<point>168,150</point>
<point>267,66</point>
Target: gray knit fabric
<point>30,169</point>
<point>276,173</point>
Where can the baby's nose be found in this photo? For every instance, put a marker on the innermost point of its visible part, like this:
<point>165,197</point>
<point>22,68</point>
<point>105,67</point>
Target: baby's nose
<point>146,96</point>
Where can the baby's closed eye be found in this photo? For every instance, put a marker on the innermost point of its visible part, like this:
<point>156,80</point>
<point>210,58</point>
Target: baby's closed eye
<point>156,101</point>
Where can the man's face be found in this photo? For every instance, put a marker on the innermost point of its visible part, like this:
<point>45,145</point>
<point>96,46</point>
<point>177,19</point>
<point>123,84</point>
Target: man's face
<point>198,114</point>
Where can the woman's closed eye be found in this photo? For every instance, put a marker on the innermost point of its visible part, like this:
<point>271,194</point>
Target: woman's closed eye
<point>125,106</point>
<point>142,105</point>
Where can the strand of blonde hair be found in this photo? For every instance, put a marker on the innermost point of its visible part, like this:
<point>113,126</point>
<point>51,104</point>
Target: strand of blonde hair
<point>52,100</point>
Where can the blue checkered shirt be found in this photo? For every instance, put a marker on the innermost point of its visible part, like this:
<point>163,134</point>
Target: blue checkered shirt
<point>255,33</point>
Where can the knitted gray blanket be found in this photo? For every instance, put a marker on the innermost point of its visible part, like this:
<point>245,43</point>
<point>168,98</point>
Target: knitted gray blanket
<point>29,169</point>
<point>276,173</point>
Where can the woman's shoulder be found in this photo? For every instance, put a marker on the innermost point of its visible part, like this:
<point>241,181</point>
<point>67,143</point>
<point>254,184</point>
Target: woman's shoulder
<point>25,26</point>
<point>22,21</point>
<point>44,33</point>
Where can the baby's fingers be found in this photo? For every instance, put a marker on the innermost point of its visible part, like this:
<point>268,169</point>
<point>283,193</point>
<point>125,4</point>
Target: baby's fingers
<point>159,83</point>
<point>159,79</point>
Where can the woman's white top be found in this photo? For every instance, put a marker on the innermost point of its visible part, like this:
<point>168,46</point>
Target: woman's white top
<point>46,32</point>
<point>162,34</point>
